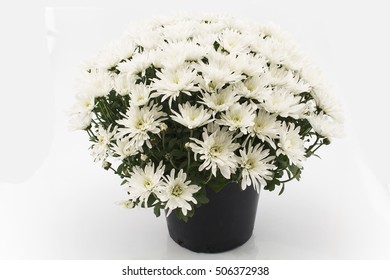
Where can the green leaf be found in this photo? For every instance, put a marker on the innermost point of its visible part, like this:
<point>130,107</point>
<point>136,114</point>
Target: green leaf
<point>157,211</point>
<point>171,143</point>
<point>217,184</point>
<point>282,161</point>
<point>120,169</point>
<point>216,45</point>
<point>202,199</point>
<point>183,165</point>
<point>180,215</point>
<point>296,171</point>
<point>281,190</point>
<point>178,153</point>
<point>293,168</point>
<point>270,186</point>
<point>298,175</point>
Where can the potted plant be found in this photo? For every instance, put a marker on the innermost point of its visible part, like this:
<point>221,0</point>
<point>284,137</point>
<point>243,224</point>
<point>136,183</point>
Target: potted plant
<point>198,114</point>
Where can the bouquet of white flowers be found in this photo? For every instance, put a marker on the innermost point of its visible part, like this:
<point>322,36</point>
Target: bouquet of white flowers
<point>180,104</point>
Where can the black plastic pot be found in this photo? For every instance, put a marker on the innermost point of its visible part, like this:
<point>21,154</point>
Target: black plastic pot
<point>224,223</point>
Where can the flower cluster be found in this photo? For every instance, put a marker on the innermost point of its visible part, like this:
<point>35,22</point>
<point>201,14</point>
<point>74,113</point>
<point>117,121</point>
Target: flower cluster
<point>180,104</point>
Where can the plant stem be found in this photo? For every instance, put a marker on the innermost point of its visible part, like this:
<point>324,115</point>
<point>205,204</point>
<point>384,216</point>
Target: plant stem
<point>208,180</point>
<point>308,151</point>
<point>174,165</point>
<point>317,148</point>
<point>291,178</point>
<point>105,111</point>
<point>239,176</point>
<point>189,153</point>
<point>90,133</point>
<point>163,140</point>
<point>121,175</point>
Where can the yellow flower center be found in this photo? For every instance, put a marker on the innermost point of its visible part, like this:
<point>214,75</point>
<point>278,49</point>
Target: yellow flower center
<point>219,102</point>
<point>148,183</point>
<point>177,190</point>
<point>140,124</point>
<point>88,104</point>
<point>287,145</point>
<point>236,118</point>
<point>248,165</point>
<point>101,139</point>
<point>215,151</point>
<point>258,127</point>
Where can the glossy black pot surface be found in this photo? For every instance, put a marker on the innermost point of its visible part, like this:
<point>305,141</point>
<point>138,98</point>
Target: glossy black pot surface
<point>224,223</point>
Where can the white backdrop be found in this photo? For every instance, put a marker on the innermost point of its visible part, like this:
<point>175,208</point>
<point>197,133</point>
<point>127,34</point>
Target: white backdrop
<point>56,203</point>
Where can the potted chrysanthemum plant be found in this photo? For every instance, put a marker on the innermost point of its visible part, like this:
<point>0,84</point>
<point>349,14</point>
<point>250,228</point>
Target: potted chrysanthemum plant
<point>198,114</point>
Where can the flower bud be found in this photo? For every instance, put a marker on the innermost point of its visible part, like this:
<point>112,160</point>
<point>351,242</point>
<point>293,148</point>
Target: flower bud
<point>144,157</point>
<point>127,204</point>
<point>163,127</point>
<point>106,165</point>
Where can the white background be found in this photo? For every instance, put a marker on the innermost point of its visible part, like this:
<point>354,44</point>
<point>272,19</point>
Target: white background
<point>55,203</point>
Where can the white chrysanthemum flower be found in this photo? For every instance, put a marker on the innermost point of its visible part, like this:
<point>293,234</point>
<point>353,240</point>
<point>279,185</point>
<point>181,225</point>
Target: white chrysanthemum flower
<point>254,88</point>
<point>179,32</point>
<point>145,37</point>
<point>81,112</point>
<point>80,121</point>
<point>232,41</point>
<point>310,108</point>
<point>85,103</point>
<point>297,85</point>
<point>221,100</point>
<point>327,102</point>
<point>138,64</point>
<point>285,51</point>
<point>191,116</point>
<point>217,152</point>
<point>256,167</point>
<point>172,82</point>
<point>127,204</point>
<point>217,72</point>
<point>272,49</point>
<point>284,103</point>
<point>291,144</point>
<point>321,92</point>
<point>124,148</point>
<point>205,40</point>
<point>238,116</point>
<point>144,182</point>
<point>266,127</point>
<point>139,122</point>
<point>159,21</point>
<point>114,53</point>
<point>278,76</point>
<point>175,54</point>
<point>325,125</point>
<point>248,65</point>
<point>122,83</point>
<point>140,94</point>
<point>101,149</point>
<point>95,83</point>
<point>274,31</point>
<point>177,191</point>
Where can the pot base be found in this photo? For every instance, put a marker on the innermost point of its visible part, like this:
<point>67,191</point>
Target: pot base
<point>226,222</point>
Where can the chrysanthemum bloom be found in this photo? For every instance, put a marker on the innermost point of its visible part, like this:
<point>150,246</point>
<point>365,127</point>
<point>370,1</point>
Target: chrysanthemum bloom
<point>177,192</point>
<point>144,182</point>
